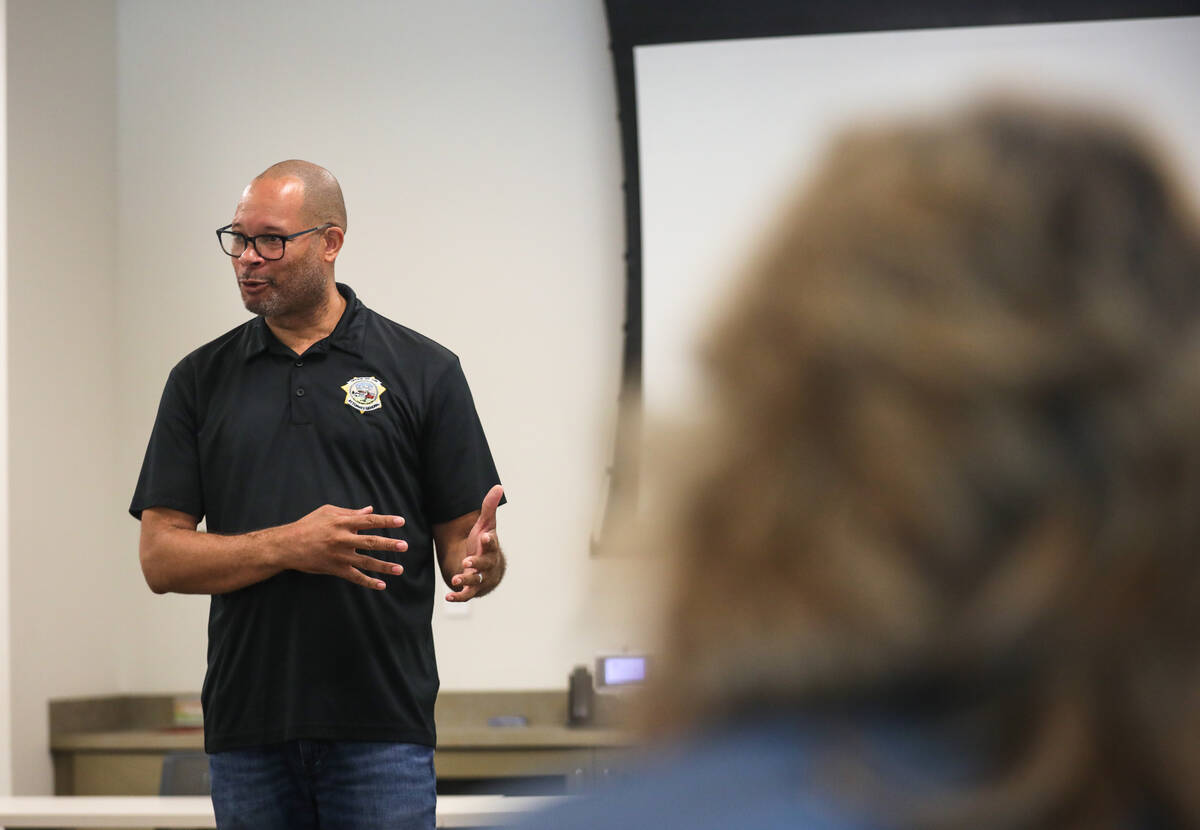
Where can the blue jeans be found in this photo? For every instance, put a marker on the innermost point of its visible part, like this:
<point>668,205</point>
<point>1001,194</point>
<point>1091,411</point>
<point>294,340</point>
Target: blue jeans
<point>325,785</point>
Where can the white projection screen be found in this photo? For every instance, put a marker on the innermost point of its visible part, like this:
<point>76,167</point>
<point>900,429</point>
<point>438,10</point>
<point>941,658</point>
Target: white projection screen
<point>726,128</point>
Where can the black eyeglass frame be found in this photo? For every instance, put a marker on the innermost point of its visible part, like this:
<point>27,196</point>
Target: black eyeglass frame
<point>252,241</point>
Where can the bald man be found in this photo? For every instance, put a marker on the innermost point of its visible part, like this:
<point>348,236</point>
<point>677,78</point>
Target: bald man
<point>334,456</point>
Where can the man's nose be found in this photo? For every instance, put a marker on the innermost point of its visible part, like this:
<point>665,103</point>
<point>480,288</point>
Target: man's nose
<point>251,254</point>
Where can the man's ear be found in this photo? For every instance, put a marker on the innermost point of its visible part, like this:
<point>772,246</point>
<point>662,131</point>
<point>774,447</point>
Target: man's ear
<point>333,238</point>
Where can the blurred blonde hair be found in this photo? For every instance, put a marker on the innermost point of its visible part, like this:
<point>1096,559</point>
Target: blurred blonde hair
<point>954,462</point>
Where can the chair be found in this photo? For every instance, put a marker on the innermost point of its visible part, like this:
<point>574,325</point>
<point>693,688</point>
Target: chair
<point>185,773</point>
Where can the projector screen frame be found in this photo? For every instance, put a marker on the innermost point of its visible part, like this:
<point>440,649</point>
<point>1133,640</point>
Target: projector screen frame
<point>634,23</point>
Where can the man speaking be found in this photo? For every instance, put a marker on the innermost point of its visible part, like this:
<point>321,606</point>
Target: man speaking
<point>331,453</point>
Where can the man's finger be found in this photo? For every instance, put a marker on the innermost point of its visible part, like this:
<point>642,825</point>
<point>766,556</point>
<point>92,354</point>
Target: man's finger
<point>481,562</point>
<point>359,578</point>
<point>467,578</point>
<point>487,512</point>
<point>348,511</point>
<point>369,541</point>
<point>367,521</point>
<point>463,595</point>
<point>367,563</point>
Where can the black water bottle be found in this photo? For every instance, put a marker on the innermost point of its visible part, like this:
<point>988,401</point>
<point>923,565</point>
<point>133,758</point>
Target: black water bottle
<point>581,697</point>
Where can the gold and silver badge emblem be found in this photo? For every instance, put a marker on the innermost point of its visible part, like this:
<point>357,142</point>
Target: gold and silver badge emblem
<point>363,393</point>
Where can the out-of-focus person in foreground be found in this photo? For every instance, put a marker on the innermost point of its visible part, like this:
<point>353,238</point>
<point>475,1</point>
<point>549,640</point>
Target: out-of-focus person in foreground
<point>937,547</point>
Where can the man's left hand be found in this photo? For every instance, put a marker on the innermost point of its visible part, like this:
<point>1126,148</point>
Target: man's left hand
<point>483,561</point>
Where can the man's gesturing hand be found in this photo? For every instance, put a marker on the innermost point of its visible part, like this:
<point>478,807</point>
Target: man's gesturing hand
<point>482,562</point>
<point>325,542</point>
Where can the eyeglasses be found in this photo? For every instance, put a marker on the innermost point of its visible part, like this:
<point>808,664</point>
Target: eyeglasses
<point>268,245</point>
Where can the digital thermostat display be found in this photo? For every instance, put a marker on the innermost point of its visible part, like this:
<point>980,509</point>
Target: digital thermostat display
<point>623,670</point>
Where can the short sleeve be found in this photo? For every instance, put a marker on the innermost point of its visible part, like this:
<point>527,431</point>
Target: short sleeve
<point>170,475</point>
<point>458,469</point>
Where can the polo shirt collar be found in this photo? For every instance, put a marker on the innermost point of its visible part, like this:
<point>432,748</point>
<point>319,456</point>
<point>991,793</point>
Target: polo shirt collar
<point>347,335</point>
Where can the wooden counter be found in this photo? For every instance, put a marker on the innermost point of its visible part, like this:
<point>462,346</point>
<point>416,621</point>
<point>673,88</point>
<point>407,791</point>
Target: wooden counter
<point>116,745</point>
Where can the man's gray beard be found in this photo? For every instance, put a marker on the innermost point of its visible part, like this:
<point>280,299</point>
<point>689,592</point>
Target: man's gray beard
<point>305,291</point>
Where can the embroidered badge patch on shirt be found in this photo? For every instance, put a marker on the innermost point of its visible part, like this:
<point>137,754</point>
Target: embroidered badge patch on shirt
<point>363,393</point>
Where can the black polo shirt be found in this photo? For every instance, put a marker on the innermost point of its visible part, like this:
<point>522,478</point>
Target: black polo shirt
<point>249,435</point>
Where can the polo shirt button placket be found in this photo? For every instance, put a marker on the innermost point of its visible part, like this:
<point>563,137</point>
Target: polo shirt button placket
<point>301,413</point>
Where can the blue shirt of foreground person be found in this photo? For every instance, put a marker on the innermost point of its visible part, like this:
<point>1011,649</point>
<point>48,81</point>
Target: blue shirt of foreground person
<point>332,453</point>
<point>760,773</point>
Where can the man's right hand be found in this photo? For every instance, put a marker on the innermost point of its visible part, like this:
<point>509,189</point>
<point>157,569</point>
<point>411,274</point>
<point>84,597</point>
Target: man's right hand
<point>177,558</point>
<point>327,541</point>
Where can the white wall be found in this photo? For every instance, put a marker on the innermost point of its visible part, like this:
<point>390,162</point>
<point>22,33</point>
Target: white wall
<point>478,150</point>
<point>68,569</point>
<point>5,651</point>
